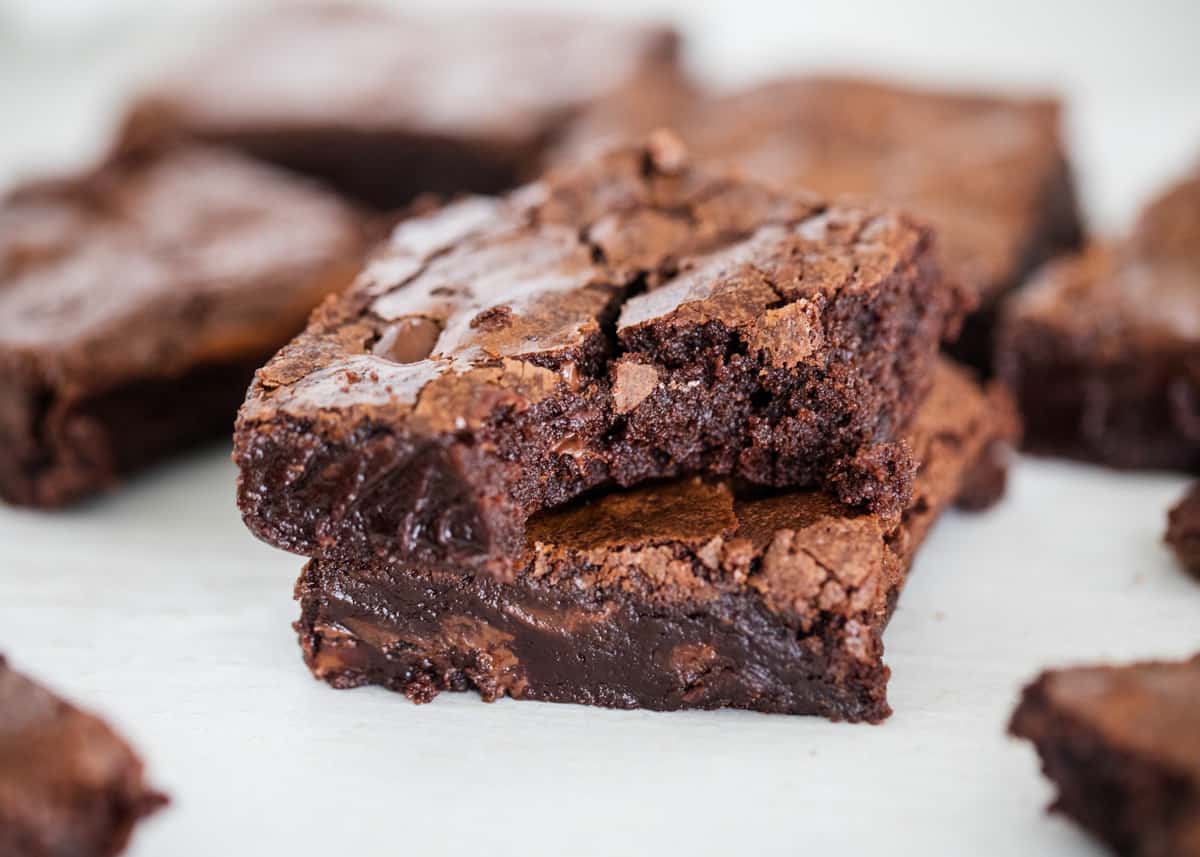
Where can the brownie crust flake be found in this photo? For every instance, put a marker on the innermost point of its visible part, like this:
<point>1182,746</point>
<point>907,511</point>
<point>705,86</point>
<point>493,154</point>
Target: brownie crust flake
<point>136,302</point>
<point>69,785</point>
<point>677,595</point>
<point>629,318</point>
<point>1123,746</point>
<point>1103,349</point>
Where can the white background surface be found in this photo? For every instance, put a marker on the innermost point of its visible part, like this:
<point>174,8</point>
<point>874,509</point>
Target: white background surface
<point>157,609</point>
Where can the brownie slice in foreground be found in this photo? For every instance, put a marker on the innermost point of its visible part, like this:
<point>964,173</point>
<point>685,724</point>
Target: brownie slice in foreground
<point>69,785</point>
<point>675,595</point>
<point>1183,530</point>
<point>632,317</point>
<point>385,106</point>
<point>1103,350</point>
<point>990,173</point>
<point>1123,746</point>
<point>137,300</point>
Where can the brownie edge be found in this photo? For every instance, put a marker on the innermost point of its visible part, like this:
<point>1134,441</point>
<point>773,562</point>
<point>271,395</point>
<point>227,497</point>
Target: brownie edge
<point>69,785</point>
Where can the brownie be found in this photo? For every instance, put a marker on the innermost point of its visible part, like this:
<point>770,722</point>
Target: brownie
<point>136,302</point>
<point>1183,530</point>
<point>1103,349</point>
<point>1123,746</point>
<point>632,317</point>
<point>989,172</point>
<point>385,106</point>
<point>69,785</point>
<point>684,594</point>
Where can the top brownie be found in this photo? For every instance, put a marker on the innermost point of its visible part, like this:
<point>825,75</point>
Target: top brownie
<point>631,317</point>
<point>137,299</point>
<point>385,106</point>
<point>989,173</point>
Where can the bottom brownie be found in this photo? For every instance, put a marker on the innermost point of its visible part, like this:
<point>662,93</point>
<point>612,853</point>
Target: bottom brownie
<point>1123,746</point>
<point>1183,530</point>
<point>678,595</point>
<point>69,786</point>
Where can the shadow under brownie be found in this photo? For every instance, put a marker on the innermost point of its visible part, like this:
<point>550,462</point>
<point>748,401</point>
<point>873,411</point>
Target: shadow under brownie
<point>69,785</point>
<point>137,300</point>
<point>631,317</point>
<point>676,595</point>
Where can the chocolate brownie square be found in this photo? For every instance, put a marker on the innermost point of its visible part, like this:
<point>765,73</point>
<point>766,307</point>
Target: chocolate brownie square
<point>136,302</point>
<point>69,785</point>
<point>632,317</point>
<point>990,173</point>
<point>1183,530</point>
<point>1103,349</point>
<point>384,105</point>
<point>1123,746</point>
<point>685,594</point>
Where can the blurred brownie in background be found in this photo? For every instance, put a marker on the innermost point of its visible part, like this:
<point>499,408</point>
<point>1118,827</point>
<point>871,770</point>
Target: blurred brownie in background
<point>685,594</point>
<point>1123,746</point>
<point>385,105</point>
<point>989,173</point>
<point>69,785</point>
<point>1103,349</point>
<point>137,300</point>
<point>1183,530</point>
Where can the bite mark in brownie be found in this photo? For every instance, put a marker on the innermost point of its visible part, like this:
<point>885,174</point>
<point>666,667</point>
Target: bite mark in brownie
<point>632,317</point>
<point>137,300</point>
<point>1123,747</point>
<point>1103,349</point>
<point>69,785</point>
<point>685,594</point>
<point>1183,530</point>
<point>990,173</point>
<point>389,105</point>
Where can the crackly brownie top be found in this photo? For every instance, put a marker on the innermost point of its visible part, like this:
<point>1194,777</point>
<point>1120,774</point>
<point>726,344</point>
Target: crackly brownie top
<point>54,759</point>
<point>491,303</point>
<point>153,264</point>
<point>508,78</point>
<point>804,552</point>
<point>1143,290</point>
<point>975,166</point>
<point>1149,709</point>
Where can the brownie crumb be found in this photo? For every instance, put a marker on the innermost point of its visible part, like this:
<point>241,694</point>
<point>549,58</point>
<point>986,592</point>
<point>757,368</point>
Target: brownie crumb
<point>1183,530</point>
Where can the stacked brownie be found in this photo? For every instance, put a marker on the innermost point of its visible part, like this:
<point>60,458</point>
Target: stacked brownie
<point>643,433</point>
<point>990,173</point>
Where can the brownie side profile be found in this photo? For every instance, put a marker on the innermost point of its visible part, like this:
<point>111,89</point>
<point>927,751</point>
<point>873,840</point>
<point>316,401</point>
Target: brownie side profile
<point>137,300</point>
<point>632,317</point>
<point>1183,530</point>
<point>1103,349</point>
<point>683,594</point>
<point>392,105</point>
<point>989,173</point>
<point>69,785</point>
<point>1122,744</point>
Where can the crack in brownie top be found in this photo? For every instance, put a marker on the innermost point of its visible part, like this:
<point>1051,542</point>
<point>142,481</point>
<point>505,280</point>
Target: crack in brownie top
<point>630,317</point>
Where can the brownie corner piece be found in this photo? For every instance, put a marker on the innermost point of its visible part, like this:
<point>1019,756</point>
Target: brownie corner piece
<point>634,316</point>
<point>1183,530</point>
<point>138,298</point>
<point>1102,349</point>
<point>1122,746</point>
<point>673,595</point>
<point>69,785</point>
